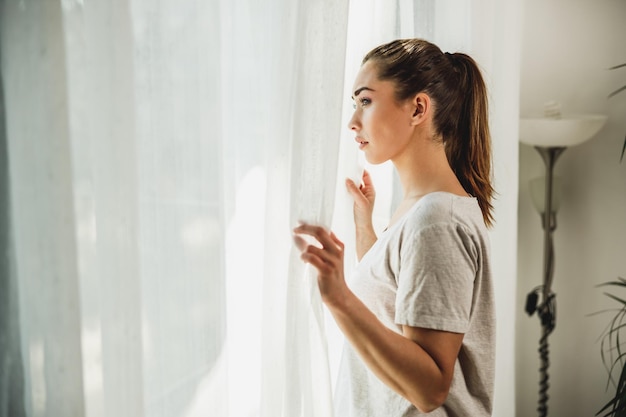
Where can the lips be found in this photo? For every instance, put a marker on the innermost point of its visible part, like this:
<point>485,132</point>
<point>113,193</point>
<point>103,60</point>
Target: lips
<point>361,142</point>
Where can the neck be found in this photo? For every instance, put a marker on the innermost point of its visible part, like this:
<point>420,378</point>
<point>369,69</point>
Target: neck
<point>423,168</point>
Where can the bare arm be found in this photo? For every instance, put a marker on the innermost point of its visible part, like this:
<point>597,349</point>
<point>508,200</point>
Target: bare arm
<point>363,196</point>
<point>418,364</point>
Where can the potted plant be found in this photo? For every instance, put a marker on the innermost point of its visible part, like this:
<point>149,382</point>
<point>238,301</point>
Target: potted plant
<point>613,354</point>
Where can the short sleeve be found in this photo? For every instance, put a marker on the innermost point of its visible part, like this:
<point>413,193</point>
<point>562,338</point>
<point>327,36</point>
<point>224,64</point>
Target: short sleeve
<point>438,265</point>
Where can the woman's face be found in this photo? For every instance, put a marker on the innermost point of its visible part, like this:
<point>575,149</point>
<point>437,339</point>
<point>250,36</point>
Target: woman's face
<point>382,125</point>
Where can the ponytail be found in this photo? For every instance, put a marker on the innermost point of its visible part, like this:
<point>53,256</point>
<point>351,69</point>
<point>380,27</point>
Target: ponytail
<point>469,150</point>
<point>455,84</point>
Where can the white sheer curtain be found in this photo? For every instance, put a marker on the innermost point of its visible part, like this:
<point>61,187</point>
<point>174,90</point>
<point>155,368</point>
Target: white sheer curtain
<point>159,153</point>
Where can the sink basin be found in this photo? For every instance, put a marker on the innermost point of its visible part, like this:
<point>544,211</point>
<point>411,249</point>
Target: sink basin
<point>566,131</point>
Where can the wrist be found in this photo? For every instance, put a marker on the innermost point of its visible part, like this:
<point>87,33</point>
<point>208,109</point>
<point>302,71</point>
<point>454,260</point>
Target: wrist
<point>339,304</point>
<point>365,233</point>
<point>366,228</point>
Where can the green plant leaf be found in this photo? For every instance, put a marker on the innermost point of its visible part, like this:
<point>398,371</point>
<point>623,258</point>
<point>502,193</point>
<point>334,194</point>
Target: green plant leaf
<point>618,66</point>
<point>616,92</point>
<point>613,356</point>
<point>616,298</point>
<point>617,404</point>
<point>621,282</point>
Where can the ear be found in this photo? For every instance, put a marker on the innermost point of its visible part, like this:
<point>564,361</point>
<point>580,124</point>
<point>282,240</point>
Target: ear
<point>421,107</point>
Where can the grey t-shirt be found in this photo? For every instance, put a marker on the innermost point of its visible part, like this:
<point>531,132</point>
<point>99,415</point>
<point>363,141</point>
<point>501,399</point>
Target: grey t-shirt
<point>430,269</point>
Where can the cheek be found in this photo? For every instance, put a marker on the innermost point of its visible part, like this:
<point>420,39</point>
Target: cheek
<point>377,123</point>
<point>385,127</point>
<point>389,127</point>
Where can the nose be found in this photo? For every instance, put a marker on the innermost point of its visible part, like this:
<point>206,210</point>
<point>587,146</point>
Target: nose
<point>354,123</point>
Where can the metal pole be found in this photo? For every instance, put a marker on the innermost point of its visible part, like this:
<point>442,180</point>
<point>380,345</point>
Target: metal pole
<point>549,155</point>
<point>547,309</point>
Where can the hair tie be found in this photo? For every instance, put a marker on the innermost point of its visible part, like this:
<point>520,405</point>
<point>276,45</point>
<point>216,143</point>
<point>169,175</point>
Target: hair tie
<point>451,58</point>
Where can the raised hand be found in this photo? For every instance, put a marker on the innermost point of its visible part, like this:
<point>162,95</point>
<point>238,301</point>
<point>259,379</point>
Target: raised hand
<point>326,255</point>
<point>364,196</point>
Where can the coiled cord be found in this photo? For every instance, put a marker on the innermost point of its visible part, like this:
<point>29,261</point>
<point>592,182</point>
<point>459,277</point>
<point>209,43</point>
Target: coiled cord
<point>546,311</point>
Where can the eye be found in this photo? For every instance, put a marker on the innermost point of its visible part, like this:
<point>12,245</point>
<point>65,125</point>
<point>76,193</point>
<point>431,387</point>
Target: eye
<point>364,101</point>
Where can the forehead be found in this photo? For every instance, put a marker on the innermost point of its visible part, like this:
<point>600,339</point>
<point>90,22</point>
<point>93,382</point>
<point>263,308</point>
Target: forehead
<point>367,74</point>
<point>368,77</point>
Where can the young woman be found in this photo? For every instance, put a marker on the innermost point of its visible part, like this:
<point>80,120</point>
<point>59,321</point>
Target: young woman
<point>419,313</point>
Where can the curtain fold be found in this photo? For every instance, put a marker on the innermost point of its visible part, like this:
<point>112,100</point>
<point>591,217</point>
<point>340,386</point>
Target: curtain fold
<point>34,82</point>
<point>105,189</point>
<point>282,109</point>
<point>11,368</point>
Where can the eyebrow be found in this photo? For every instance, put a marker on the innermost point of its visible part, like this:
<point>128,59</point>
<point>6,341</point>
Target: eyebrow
<point>358,91</point>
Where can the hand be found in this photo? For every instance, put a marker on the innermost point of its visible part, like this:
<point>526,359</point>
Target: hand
<point>363,196</point>
<point>327,257</point>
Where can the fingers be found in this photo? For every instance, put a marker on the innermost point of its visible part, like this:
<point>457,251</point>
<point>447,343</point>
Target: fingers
<point>356,192</point>
<point>327,259</point>
<point>326,239</point>
<point>320,258</point>
<point>311,252</point>
<point>367,179</point>
<point>338,242</point>
<point>317,262</point>
<point>353,189</point>
<point>301,244</point>
<point>364,190</point>
<point>325,254</point>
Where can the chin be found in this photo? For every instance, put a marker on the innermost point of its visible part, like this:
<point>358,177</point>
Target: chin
<point>374,160</point>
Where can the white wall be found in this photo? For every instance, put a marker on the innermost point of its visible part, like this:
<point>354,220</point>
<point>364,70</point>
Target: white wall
<point>567,46</point>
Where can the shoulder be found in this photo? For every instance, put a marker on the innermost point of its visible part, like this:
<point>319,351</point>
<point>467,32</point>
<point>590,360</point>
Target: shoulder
<point>445,210</point>
<point>441,221</point>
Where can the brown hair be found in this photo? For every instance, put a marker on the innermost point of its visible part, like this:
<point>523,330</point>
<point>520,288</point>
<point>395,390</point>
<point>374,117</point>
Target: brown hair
<point>456,86</point>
